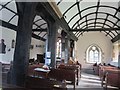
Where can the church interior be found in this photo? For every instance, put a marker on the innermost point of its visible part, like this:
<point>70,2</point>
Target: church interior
<point>60,45</point>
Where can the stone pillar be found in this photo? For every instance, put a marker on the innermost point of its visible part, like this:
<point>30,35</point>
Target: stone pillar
<point>119,54</point>
<point>67,48</point>
<point>119,40</point>
<point>71,48</point>
<point>63,34</point>
<point>119,59</point>
<point>18,72</point>
<point>51,44</point>
<point>75,51</point>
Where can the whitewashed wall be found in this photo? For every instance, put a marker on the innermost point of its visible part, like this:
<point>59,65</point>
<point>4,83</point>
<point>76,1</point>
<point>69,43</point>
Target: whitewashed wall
<point>115,54</point>
<point>36,50</point>
<point>115,51</point>
<point>8,35</point>
<point>90,38</point>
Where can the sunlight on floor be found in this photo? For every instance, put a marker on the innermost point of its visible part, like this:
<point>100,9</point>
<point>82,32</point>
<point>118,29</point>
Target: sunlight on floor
<point>88,81</point>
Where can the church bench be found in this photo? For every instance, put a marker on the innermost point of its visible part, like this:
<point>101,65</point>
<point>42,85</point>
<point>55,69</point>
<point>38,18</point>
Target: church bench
<point>72,67</point>
<point>35,83</point>
<point>63,75</point>
<point>31,68</point>
<point>102,72</point>
<point>112,78</point>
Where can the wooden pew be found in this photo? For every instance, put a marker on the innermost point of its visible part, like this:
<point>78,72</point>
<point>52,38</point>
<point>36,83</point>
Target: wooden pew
<point>102,72</point>
<point>32,67</point>
<point>33,83</point>
<point>72,67</point>
<point>112,78</point>
<point>62,75</point>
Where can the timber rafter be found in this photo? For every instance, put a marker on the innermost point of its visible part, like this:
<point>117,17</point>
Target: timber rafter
<point>13,27</point>
<point>85,22</point>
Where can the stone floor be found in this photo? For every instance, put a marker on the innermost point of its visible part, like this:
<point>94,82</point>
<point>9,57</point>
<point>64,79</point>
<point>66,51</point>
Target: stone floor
<point>89,81</point>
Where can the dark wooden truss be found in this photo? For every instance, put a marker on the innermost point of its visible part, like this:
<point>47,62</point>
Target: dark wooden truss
<point>14,27</point>
<point>38,32</point>
<point>79,27</point>
<point>85,24</point>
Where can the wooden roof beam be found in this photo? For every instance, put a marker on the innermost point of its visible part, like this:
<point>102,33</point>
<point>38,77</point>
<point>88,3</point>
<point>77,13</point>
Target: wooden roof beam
<point>116,38</point>
<point>13,27</point>
<point>39,30</point>
<point>96,29</point>
<point>52,13</point>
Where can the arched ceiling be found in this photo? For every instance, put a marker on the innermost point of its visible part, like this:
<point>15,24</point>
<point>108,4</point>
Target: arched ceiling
<point>8,12</point>
<point>91,15</point>
<point>80,15</point>
<point>40,27</point>
<point>9,19</point>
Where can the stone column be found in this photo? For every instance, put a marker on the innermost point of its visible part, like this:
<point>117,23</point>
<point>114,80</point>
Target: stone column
<point>119,54</point>
<point>51,44</point>
<point>26,12</point>
<point>119,40</point>
<point>63,34</point>
<point>67,48</point>
<point>71,48</point>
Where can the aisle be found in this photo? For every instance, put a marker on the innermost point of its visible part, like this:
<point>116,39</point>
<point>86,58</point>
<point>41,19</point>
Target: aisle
<point>88,81</point>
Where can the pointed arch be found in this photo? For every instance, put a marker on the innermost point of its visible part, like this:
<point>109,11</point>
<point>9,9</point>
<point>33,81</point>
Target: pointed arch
<point>93,54</point>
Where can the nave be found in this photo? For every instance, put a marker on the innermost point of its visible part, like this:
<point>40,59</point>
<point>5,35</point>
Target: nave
<point>36,37</point>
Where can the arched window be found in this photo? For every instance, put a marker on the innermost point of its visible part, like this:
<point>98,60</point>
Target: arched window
<point>93,54</point>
